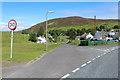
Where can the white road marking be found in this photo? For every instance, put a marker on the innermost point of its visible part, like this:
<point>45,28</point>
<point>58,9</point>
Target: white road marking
<point>93,59</point>
<point>104,53</point>
<point>76,70</point>
<point>83,65</point>
<point>66,76</point>
<point>89,62</point>
<point>109,50</point>
<point>98,56</point>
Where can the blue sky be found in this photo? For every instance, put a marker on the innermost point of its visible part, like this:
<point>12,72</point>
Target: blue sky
<point>30,13</point>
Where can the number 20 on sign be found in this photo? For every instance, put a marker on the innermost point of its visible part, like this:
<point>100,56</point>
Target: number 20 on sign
<point>12,24</point>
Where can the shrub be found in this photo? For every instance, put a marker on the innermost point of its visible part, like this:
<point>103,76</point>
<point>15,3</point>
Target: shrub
<point>32,37</point>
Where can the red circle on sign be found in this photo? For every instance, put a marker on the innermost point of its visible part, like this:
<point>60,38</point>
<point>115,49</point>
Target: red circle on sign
<point>11,22</point>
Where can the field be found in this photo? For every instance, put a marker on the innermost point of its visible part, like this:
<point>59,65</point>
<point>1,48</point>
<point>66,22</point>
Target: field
<point>23,50</point>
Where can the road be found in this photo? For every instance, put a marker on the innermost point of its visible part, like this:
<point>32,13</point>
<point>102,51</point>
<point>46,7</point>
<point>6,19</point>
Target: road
<point>104,67</point>
<point>60,61</point>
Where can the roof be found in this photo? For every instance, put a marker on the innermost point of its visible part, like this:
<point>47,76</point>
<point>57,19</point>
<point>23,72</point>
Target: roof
<point>84,35</point>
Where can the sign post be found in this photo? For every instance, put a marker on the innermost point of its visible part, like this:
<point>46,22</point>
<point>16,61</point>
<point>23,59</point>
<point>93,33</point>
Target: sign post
<point>12,24</point>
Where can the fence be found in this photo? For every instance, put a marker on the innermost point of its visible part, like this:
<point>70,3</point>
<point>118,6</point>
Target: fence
<point>92,43</point>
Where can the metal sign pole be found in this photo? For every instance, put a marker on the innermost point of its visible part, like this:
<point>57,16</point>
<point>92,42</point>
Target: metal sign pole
<point>11,43</point>
<point>12,24</point>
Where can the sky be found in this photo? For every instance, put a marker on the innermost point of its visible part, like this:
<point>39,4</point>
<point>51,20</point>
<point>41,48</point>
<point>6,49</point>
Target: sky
<point>60,0</point>
<point>28,14</point>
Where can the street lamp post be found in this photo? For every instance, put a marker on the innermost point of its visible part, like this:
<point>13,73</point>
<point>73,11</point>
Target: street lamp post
<point>46,27</point>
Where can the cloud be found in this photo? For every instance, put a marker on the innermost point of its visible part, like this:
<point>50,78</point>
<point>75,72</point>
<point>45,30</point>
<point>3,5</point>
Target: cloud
<point>17,17</point>
<point>82,13</point>
<point>20,22</point>
<point>20,26</point>
<point>2,23</point>
<point>70,12</point>
<point>33,24</point>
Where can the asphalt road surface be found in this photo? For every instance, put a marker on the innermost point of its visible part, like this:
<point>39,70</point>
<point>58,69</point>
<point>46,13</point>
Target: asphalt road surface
<point>105,66</point>
<point>60,61</point>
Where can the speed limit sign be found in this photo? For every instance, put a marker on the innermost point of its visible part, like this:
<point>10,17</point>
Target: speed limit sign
<point>12,24</point>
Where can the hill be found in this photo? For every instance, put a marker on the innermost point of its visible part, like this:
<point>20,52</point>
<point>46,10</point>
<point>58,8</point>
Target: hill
<point>76,22</point>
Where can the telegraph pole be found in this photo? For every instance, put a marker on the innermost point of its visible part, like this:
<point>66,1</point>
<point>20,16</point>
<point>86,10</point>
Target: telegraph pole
<point>95,23</point>
<point>94,26</point>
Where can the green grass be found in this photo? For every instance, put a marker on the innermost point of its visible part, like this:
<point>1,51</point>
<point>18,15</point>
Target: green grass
<point>23,50</point>
<point>75,42</point>
<point>108,43</point>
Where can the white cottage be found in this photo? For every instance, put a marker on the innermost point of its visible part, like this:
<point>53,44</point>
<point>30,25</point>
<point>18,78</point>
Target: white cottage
<point>112,33</point>
<point>89,36</point>
<point>41,40</point>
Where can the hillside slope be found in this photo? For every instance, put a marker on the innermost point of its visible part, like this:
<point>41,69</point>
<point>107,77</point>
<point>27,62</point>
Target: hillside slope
<point>76,21</point>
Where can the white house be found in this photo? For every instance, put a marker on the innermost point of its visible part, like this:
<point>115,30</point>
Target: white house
<point>41,40</point>
<point>112,33</point>
<point>89,36</point>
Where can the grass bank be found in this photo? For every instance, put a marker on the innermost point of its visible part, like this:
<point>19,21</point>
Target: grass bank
<point>23,50</point>
<point>75,42</point>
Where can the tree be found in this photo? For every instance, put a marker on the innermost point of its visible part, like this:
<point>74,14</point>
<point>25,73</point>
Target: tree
<point>32,37</point>
<point>89,30</point>
<point>40,31</point>
<point>72,33</point>
<point>116,27</point>
<point>98,29</point>
<point>78,32</point>
<point>92,31</point>
<point>55,34</point>
<point>24,32</point>
<point>102,28</point>
<point>83,30</point>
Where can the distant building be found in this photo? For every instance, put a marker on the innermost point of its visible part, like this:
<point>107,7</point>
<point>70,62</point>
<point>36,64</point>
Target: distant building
<point>89,36</point>
<point>77,38</point>
<point>100,35</point>
<point>41,40</point>
<point>83,37</point>
<point>111,33</point>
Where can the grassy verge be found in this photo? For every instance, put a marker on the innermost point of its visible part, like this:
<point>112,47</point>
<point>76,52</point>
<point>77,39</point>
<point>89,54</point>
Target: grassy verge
<point>108,43</point>
<point>23,50</point>
<point>75,42</point>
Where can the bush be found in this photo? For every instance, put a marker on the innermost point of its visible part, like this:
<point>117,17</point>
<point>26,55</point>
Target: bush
<point>116,27</point>
<point>72,33</point>
<point>32,38</point>
<point>24,32</point>
<point>40,32</point>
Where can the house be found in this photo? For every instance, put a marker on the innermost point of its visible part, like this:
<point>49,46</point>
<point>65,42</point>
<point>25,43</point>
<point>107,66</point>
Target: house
<point>77,38</point>
<point>83,37</point>
<point>100,35</point>
<point>41,40</point>
<point>111,33</point>
<point>89,36</point>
